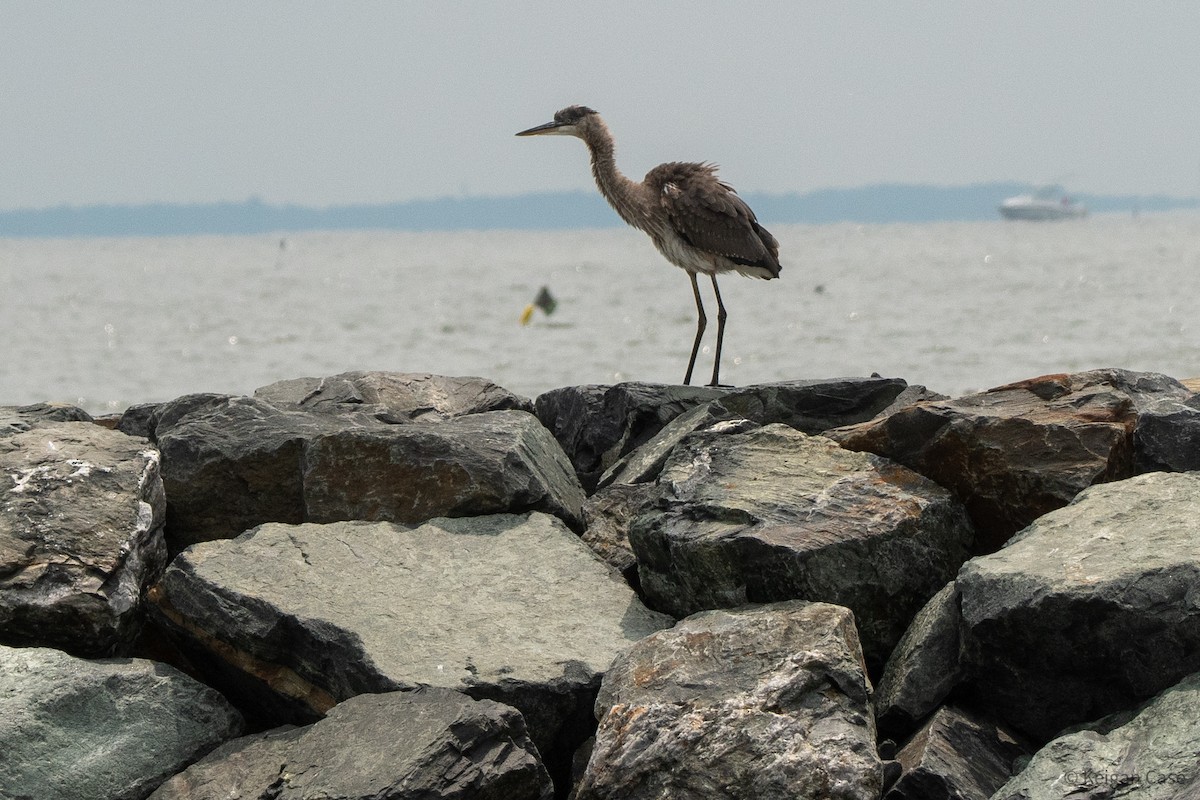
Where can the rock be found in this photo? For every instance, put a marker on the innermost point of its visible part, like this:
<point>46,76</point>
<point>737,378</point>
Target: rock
<point>759,702</point>
<point>1018,451</point>
<point>510,608</point>
<point>486,463</point>
<point>394,396</point>
<point>1167,436</point>
<point>646,463</point>
<point>1091,610</point>
<point>956,756</point>
<point>606,516</point>
<point>18,419</point>
<point>773,514</point>
<point>100,729</point>
<point>80,536</point>
<point>923,668</point>
<point>424,744</point>
<point>230,463</point>
<point>1149,755</point>
<point>597,425</point>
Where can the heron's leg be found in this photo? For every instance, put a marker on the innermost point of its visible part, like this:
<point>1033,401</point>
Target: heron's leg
<point>701,323</point>
<point>720,332</point>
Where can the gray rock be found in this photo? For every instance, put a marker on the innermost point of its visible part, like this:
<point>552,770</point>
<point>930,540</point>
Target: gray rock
<point>1090,610</point>
<point>1167,436</point>
<point>18,419</point>
<point>1149,755</point>
<point>102,730</point>
<point>232,463</point>
<point>80,536</point>
<point>923,668</point>
<point>597,425</point>
<point>607,515</point>
<point>760,702</point>
<point>772,514</point>
<point>486,463</point>
<point>510,608</point>
<point>394,396</point>
<point>646,463</point>
<point>956,755</point>
<point>1018,451</point>
<point>425,744</point>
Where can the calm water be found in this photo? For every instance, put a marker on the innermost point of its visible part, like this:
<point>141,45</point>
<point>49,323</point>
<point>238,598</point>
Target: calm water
<point>105,323</point>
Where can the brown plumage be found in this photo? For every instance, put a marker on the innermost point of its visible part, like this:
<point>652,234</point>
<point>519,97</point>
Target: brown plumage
<point>697,222</point>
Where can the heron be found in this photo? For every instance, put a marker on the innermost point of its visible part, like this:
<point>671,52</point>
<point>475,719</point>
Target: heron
<point>695,220</point>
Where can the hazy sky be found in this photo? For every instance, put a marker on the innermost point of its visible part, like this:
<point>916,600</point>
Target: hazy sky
<point>362,102</point>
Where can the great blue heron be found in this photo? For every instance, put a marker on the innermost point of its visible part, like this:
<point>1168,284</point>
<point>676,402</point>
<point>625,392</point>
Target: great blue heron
<point>696,221</point>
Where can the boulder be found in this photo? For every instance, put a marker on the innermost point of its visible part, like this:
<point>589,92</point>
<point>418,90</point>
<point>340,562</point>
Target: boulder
<point>1167,436</point>
<point>80,536</point>
<point>1090,610</point>
<point>956,755</point>
<point>758,702</point>
<point>923,668</point>
<point>101,730</point>
<point>606,516</point>
<point>394,396</point>
<point>230,463</point>
<point>597,425</point>
<point>1018,451</point>
<point>486,463</point>
<point>427,744</point>
<point>1149,754</point>
<point>18,419</point>
<point>773,514</point>
<point>506,607</point>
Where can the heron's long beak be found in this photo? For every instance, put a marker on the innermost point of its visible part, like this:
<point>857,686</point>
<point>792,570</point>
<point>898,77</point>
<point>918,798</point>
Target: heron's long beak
<point>549,127</point>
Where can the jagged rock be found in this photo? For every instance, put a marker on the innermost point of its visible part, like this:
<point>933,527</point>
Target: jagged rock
<point>80,536</point>
<point>644,464</point>
<point>230,463</point>
<point>1018,451</point>
<point>1090,610</point>
<point>427,744</point>
<point>394,396</point>
<point>100,730</point>
<point>510,608</point>
<point>956,756</point>
<point>18,419</point>
<point>773,514</point>
<point>759,702</point>
<point>597,425</point>
<point>145,419</point>
<point>1149,754</point>
<point>923,668</point>
<point>486,463</point>
<point>1167,436</point>
<point>606,516</point>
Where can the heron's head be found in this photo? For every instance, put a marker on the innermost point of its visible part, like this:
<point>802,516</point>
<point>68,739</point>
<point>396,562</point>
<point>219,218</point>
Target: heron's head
<point>571,121</point>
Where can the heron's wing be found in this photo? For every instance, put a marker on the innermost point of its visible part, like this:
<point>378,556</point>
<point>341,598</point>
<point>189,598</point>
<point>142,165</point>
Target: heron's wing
<point>709,215</point>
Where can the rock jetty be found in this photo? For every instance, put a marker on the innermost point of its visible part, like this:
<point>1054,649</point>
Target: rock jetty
<point>385,585</point>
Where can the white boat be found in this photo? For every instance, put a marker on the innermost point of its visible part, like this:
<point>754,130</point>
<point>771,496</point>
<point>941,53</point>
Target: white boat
<point>1044,204</point>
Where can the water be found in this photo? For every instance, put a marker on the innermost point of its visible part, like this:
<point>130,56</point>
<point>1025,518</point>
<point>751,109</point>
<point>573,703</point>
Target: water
<point>106,323</point>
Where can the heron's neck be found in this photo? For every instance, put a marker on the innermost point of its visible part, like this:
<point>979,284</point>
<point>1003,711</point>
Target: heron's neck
<point>623,194</point>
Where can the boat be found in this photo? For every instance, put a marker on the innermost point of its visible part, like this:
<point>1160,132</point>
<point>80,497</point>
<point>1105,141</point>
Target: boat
<point>1049,202</point>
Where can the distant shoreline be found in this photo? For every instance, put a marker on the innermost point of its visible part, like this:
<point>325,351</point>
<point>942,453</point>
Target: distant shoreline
<point>881,203</point>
